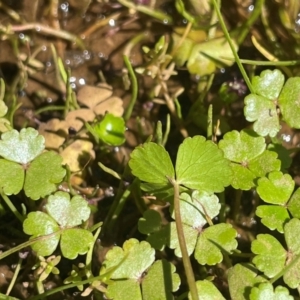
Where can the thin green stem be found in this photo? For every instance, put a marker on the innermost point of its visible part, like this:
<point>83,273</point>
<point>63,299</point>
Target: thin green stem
<point>116,208</point>
<point>148,11</point>
<point>253,17</point>
<point>28,243</point>
<point>182,243</point>
<point>42,29</point>
<point>89,255</point>
<point>49,108</point>
<point>167,132</point>
<point>234,52</point>
<point>268,63</point>
<point>13,280</point>
<point>134,85</point>
<point>210,122</point>
<point>12,207</point>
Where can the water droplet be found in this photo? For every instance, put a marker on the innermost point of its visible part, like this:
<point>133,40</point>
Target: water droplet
<point>64,7</point>
<point>165,21</point>
<point>112,22</point>
<point>72,79</point>
<point>251,8</point>
<point>81,81</point>
<point>286,137</point>
<point>21,36</point>
<point>297,23</point>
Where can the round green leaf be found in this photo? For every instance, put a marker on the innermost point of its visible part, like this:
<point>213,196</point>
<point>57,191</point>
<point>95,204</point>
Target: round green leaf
<point>273,216</point>
<point>150,222</point>
<point>241,147</point>
<point>276,189</point>
<point>263,113</point>
<point>11,177</point>
<point>38,224</point>
<point>133,259</point>
<point>291,233</point>
<point>75,241</point>
<point>266,291</point>
<point>201,165</point>
<point>124,290</point>
<point>21,147</point>
<point>241,278</point>
<point>268,84</point>
<point>289,102</point>
<point>264,163</point>
<point>43,174</point>
<point>207,291</point>
<point>111,130</point>
<point>162,279</point>
<point>243,178</point>
<point>190,235</point>
<point>196,207</point>
<point>294,204</point>
<point>68,213</point>
<point>150,162</point>
<point>270,255</point>
<point>213,241</point>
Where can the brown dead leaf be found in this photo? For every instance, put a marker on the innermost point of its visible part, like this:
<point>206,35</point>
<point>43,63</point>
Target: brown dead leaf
<point>100,99</point>
<point>78,154</point>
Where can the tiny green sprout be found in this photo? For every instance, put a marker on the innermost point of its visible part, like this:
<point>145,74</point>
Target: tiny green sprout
<point>46,266</point>
<point>110,130</point>
<point>77,274</point>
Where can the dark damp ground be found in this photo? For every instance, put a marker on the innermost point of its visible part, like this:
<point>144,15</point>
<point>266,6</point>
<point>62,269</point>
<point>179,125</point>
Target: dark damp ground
<point>106,30</point>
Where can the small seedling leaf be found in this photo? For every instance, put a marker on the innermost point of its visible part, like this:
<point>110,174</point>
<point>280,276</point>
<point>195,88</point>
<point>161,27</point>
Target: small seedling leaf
<point>150,162</point>
<point>138,256</point>
<point>66,212</point>
<point>201,165</point>
<point>273,216</point>
<point>75,241</point>
<point>195,209</point>
<point>213,242</point>
<point>162,279</point>
<point>289,102</point>
<point>151,222</point>
<point>266,291</point>
<point>207,291</point>
<point>291,233</point>
<point>276,189</point>
<point>21,147</point>
<point>268,84</point>
<point>39,183</point>
<point>39,224</point>
<point>11,177</point>
<point>241,278</point>
<point>270,255</point>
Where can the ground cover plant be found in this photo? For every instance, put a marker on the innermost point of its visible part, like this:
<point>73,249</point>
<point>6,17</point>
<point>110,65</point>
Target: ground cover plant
<point>157,158</point>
